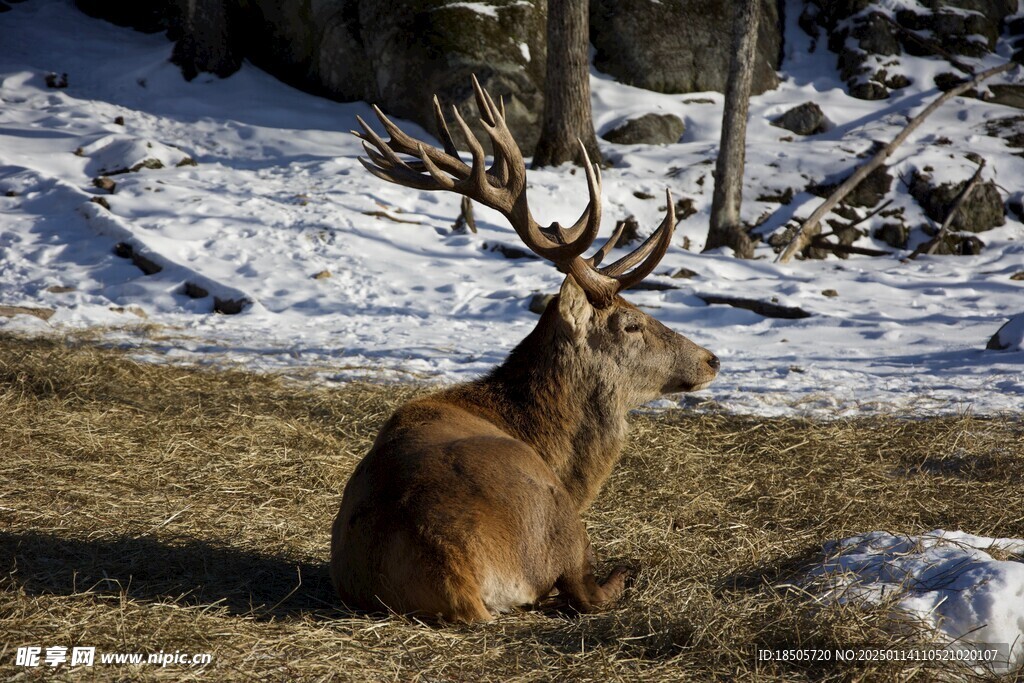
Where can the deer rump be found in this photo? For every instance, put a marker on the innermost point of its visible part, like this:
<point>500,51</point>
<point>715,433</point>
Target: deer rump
<point>454,523</point>
<point>468,503</point>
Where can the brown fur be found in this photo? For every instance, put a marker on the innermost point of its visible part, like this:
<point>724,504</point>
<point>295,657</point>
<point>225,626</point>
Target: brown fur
<point>469,501</point>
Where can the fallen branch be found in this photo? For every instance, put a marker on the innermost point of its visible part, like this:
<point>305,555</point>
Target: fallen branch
<point>812,226</point>
<point>820,243</point>
<point>928,248</point>
<point>765,308</point>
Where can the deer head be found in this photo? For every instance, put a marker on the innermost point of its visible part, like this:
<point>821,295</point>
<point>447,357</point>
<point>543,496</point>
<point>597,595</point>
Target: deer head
<point>619,339</point>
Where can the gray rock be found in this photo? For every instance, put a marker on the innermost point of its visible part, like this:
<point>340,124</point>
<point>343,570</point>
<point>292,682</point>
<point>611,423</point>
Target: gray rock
<point>893,234</point>
<point>860,38</point>
<point>1008,336</point>
<point>649,129</point>
<point>804,119</point>
<point>982,211</point>
<point>367,50</point>
<point>678,46</point>
<point>868,192</point>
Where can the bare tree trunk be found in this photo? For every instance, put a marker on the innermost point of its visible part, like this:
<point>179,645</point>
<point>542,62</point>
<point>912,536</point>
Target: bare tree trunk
<point>725,229</point>
<point>208,43</point>
<point>567,114</point>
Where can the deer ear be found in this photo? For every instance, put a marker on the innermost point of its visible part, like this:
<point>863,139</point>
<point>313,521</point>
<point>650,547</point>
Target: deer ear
<point>574,309</point>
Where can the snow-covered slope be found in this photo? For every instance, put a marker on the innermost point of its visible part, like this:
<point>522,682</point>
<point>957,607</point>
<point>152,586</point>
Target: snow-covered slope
<point>277,197</point>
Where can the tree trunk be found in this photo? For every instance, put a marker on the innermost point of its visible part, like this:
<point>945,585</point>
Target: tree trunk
<point>725,228</point>
<point>208,43</point>
<point>567,115</point>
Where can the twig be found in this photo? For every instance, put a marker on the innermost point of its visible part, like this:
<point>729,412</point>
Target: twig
<point>465,219</point>
<point>929,247</point>
<point>812,226</point>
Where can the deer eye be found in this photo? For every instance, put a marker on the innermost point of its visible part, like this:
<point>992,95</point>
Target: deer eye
<point>632,327</point>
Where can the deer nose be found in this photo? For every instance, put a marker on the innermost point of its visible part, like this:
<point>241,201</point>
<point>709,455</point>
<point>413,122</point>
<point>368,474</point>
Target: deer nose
<point>714,363</point>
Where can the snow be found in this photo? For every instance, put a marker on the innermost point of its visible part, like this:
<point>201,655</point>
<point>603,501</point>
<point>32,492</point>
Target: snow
<point>947,581</point>
<point>277,197</point>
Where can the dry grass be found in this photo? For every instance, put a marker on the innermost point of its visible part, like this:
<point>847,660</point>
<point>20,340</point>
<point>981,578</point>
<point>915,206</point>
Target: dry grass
<point>148,508</point>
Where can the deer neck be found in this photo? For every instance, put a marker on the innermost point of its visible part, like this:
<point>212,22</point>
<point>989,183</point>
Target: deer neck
<point>547,397</point>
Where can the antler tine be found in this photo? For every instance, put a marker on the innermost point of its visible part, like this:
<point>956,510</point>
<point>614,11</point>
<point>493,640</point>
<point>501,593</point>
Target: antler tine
<point>503,187</point>
<point>478,172</point>
<point>390,158</point>
<point>484,103</point>
<point>589,221</point>
<point>400,176</point>
<point>648,254</point>
<point>404,143</point>
<point>442,129</point>
<point>599,256</point>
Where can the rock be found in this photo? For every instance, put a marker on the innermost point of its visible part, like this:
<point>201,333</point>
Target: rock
<point>954,244</point>
<point>60,289</point>
<point>1009,128</point>
<point>508,251</point>
<point>868,90</point>
<point>684,273</point>
<point>1009,337</point>
<point>194,291</point>
<point>105,183</point>
<point>830,293</point>
<point>804,119</point>
<point>893,234</point>
<point>539,302</point>
<point>1007,94</point>
<point>1019,275</point>
<point>366,50</point>
<point>57,82</point>
<point>649,129</point>
<point>869,49</point>
<point>678,46</point>
<point>146,265</point>
<point>868,193</point>
<point>630,230</point>
<point>322,275</point>
<point>229,306</point>
<point>982,211</point>
<point>685,208</point>
<point>101,201</point>
<point>151,16</point>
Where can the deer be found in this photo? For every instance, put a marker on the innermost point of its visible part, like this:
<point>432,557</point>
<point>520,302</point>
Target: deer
<point>469,502</point>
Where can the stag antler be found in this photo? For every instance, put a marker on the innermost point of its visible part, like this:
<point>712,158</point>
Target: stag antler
<point>503,187</point>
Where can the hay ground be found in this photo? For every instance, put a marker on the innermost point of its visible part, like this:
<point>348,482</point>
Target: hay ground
<point>150,508</point>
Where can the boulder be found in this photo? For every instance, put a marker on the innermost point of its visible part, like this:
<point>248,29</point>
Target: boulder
<point>365,50</point>
<point>982,211</point>
<point>678,46</point>
<point>649,129</point>
<point>804,119</point>
<point>869,48</point>
<point>868,192</point>
<point>1009,337</point>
